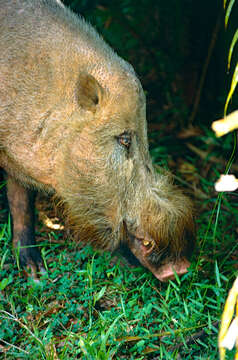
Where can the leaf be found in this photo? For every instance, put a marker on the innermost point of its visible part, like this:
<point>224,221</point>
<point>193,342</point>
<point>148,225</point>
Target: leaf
<point>100,294</point>
<point>226,183</point>
<point>224,126</point>
<point>4,283</point>
<point>233,86</point>
<point>217,275</point>
<point>2,184</point>
<point>228,11</point>
<point>234,40</point>
<point>227,316</point>
<point>231,337</point>
<point>110,329</point>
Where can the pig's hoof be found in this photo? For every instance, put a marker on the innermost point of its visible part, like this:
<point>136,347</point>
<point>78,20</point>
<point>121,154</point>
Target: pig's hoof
<point>34,272</point>
<point>32,263</point>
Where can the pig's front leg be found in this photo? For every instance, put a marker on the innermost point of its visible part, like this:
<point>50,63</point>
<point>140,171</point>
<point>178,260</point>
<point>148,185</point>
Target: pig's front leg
<point>21,204</point>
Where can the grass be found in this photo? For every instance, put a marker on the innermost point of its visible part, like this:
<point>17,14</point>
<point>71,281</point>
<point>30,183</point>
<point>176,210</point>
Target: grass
<point>93,306</point>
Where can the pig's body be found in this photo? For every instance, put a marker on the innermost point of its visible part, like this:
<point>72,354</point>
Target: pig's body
<point>72,122</point>
<point>44,49</point>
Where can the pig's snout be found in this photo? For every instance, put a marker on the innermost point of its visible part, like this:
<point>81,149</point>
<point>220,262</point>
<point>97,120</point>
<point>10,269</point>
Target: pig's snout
<point>166,272</point>
<point>143,246</point>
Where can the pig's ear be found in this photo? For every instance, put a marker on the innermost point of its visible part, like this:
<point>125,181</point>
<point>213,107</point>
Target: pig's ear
<point>89,92</point>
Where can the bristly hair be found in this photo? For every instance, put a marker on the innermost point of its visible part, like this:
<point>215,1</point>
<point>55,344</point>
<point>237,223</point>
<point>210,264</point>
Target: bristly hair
<point>98,199</point>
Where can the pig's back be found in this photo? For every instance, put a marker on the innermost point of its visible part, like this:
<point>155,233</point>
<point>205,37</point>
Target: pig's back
<point>42,45</point>
<point>26,26</point>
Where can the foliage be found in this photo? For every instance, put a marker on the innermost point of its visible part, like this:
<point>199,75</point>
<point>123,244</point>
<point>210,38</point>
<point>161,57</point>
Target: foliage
<point>228,337</point>
<point>234,80</point>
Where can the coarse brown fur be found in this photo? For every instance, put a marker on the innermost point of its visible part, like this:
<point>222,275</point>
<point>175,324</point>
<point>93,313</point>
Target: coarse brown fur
<point>66,100</point>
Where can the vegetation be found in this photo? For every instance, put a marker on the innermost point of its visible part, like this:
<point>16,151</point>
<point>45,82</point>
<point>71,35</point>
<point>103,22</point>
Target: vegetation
<point>228,334</point>
<point>95,306</point>
<point>91,307</point>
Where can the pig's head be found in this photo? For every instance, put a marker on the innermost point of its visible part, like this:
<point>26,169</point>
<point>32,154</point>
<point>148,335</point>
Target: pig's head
<point>112,193</point>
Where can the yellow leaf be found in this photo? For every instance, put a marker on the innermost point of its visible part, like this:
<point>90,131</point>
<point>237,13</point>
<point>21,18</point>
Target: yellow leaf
<point>223,126</point>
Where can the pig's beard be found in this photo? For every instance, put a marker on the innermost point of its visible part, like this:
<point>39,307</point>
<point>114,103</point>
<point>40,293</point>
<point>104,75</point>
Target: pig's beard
<point>92,205</point>
<point>98,205</point>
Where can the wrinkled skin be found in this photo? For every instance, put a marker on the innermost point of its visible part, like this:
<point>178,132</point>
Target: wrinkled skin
<point>73,123</point>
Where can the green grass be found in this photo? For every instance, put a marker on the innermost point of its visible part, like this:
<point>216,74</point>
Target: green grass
<point>88,306</point>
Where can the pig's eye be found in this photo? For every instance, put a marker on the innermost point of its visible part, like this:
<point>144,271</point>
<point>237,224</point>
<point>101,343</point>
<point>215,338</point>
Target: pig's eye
<point>146,242</point>
<point>125,140</point>
<point>148,245</point>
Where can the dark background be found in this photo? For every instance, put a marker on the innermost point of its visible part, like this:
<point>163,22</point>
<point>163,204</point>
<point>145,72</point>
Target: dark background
<point>179,50</point>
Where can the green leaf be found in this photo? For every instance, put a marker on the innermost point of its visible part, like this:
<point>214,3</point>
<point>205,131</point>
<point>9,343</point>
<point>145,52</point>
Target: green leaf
<point>3,258</point>
<point>234,40</point>
<point>5,282</point>
<point>228,11</point>
<point>167,293</point>
<point>232,89</point>
<point>2,184</point>
<point>105,339</point>
<point>100,294</point>
<point>217,275</point>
